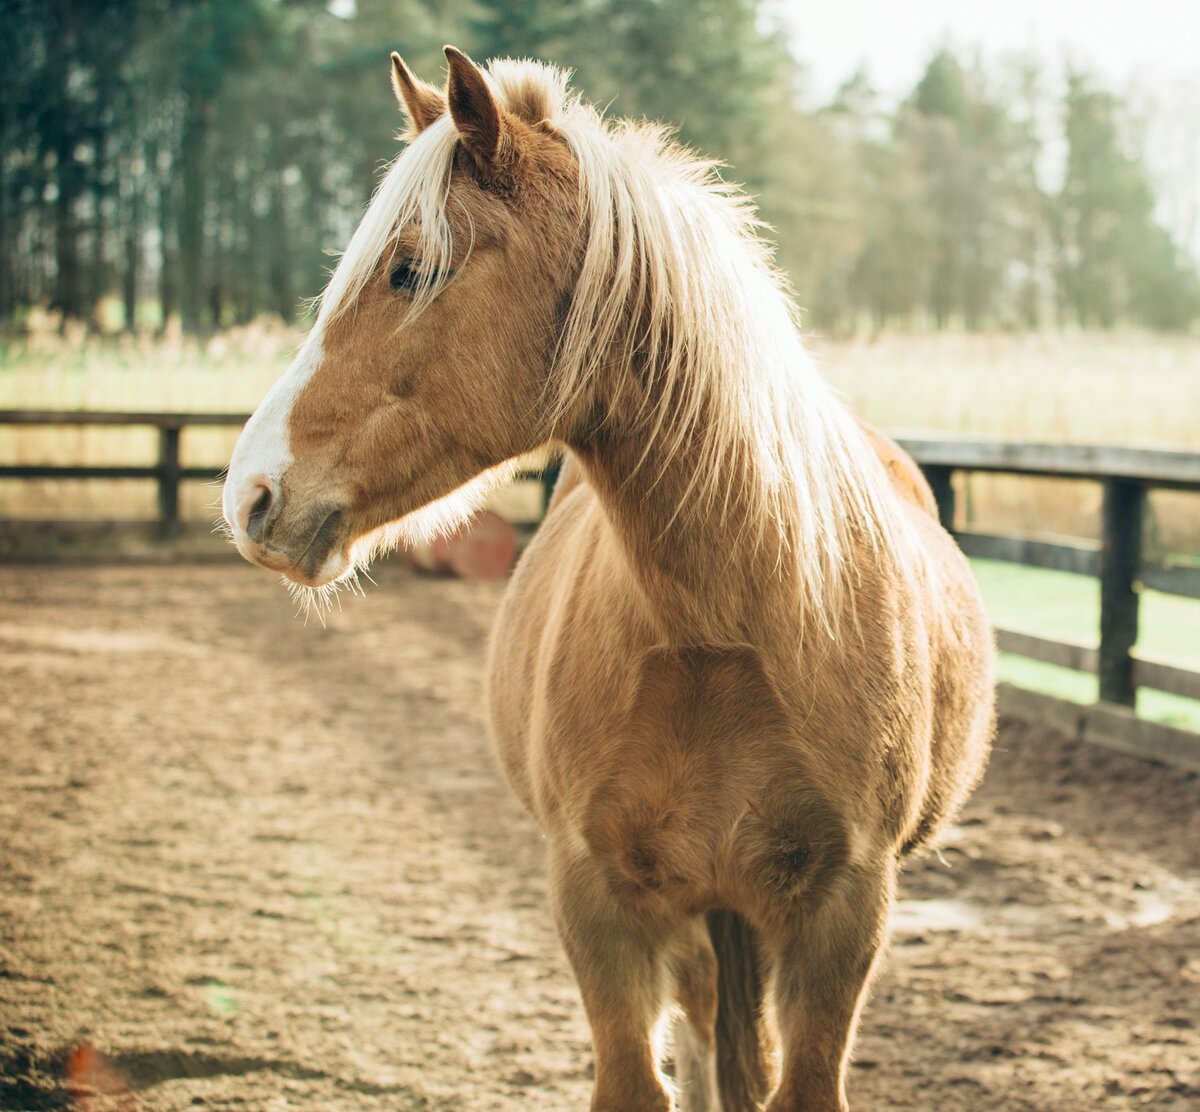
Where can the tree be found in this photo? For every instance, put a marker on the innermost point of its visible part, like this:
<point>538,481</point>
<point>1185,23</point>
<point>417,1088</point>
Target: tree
<point>203,158</point>
<point>1115,259</point>
<point>542,29</point>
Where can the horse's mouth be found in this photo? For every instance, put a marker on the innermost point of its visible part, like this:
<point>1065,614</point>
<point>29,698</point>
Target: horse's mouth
<point>316,558</point>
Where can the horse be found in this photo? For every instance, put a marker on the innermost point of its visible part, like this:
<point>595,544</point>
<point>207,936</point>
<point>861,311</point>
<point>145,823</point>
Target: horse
<point>741,672</point>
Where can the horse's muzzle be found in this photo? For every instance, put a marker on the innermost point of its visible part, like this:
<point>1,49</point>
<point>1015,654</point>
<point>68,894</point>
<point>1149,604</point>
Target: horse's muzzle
<point>298,544</point>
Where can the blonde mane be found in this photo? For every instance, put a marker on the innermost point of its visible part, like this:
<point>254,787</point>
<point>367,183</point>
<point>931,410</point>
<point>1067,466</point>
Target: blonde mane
<point>674,274</point>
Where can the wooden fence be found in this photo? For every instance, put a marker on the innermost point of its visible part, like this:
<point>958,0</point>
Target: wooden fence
<point>166,472</point>
<point>1126,475</point>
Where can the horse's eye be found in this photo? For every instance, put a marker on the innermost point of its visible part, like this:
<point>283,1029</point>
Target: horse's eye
<point>406,277</point>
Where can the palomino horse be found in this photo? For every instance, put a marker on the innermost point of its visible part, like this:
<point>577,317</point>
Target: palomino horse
<point>741,671</point>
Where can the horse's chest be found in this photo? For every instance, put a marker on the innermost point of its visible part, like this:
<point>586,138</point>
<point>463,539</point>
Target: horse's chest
<point>700,791</point>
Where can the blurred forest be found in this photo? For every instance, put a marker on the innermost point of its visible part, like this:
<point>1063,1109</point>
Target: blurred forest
<point>201,159</point>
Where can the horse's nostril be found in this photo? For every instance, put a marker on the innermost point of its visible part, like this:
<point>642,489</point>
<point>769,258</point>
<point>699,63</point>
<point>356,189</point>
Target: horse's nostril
<point>257,519</point>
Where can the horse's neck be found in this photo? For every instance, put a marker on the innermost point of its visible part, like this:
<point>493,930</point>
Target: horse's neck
<point>713,570</point>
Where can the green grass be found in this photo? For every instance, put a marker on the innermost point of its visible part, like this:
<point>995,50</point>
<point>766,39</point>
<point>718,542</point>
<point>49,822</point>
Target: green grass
<point>1067,608</point>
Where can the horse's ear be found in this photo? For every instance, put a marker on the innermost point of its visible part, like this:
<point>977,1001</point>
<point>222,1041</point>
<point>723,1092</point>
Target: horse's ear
<point>477,116</point>
<point>421,103</point>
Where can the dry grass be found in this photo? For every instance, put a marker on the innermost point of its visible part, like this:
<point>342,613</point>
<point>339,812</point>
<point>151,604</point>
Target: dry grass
<point>1130,389</point>
<point>229,373</point>
<point>1125,389</point>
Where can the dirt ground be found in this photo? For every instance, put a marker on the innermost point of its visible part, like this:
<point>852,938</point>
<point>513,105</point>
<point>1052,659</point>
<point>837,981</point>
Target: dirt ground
<point>261,865</point>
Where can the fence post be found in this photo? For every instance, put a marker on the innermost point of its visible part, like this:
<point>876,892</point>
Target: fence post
<point>168,481</point>
<point>941,482</point>
<point>1120,556</point>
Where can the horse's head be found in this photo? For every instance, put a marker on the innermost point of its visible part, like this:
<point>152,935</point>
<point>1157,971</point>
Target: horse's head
<point>427,367</point>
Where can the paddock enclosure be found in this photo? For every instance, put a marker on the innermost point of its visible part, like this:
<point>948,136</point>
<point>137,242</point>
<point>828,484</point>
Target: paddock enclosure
<point>258,864</point>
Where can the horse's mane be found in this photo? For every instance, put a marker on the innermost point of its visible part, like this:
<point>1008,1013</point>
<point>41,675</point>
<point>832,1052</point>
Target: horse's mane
<point>715,329</point>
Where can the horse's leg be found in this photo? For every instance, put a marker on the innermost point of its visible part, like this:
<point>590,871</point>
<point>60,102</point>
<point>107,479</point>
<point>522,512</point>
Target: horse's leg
<point>823,957</point>
<point>620,963</point>
<point>695,967</point>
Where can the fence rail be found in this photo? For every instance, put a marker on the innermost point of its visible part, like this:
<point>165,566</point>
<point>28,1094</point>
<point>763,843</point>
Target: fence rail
<point>1078,557</point>
<point>1126,476</point>
<point>167,472</point>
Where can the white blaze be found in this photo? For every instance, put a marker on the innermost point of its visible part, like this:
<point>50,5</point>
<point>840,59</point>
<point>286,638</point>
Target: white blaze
<point>263,451</point>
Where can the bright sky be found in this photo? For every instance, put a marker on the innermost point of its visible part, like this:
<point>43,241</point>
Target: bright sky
<point>1152,39</point>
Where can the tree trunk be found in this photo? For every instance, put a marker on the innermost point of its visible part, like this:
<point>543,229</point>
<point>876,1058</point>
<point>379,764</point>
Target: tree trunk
<point>6,250</point>
<point>167,285</point>
<point>68,294</point>
<point>96,278</point>
<point>133,245</point>
<point>283,294</point>
<point>194,167</point>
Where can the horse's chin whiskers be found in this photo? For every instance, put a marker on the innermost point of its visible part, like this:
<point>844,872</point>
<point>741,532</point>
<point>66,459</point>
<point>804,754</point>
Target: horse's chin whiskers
<point>320,601</point>
<point>311,600</point>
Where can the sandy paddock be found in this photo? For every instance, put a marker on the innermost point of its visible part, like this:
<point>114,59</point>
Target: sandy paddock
<point>261,865</point>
